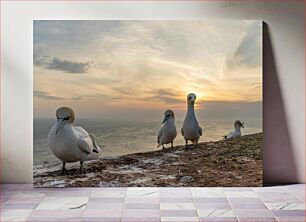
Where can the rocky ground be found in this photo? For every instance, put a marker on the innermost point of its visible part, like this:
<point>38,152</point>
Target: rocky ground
<point>234,162</point>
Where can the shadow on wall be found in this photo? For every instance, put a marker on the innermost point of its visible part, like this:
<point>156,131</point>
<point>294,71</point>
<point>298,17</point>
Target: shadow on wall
<point>279,164</point>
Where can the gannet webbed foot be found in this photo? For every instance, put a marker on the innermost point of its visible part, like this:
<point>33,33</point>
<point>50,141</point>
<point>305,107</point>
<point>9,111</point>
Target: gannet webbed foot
<point>186,145</point>
<point>63,171</point>
<point>80,171</point>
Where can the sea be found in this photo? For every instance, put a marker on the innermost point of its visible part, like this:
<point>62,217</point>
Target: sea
<point>120,137</point>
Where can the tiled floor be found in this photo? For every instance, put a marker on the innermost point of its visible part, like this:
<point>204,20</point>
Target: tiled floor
<point>21,202</point>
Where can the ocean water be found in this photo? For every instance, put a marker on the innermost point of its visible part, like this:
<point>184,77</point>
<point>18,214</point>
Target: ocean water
<point>124,137</point>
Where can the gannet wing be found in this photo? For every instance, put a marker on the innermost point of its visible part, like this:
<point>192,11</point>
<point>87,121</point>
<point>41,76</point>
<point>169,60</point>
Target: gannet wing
<point>230,135</point>
<point>96,149</point>
<point>200,130</point>
<point>84,145</point>
<point>160,132</point>
<point>80,132</point>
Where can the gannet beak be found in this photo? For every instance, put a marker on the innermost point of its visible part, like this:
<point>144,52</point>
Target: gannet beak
<point>60,124</point>
<point>242,125</point>
<point>165,119</point>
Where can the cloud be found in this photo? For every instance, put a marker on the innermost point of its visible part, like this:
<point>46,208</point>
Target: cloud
<point>61,65</point>
<point>90,97</point>
<point>249,51</point>
<point>137,62</point>
<point>166,96</point>
<point>68,66</point>
<point>45,96</point>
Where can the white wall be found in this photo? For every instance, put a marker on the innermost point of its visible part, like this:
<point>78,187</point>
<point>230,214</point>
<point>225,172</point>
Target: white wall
<point>284,79</point>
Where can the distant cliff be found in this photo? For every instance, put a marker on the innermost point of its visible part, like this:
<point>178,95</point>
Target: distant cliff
<point>234,162</point>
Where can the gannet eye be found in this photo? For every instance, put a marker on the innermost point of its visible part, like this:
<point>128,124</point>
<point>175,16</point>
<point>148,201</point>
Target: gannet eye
<point>189,97</point>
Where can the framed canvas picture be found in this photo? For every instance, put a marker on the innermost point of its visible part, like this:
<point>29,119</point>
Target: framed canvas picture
<point>147,103</point>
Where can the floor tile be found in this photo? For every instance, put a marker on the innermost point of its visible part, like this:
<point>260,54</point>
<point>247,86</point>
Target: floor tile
<point>274,197</point>
<point>177,206</point>
<point>142,213</point>
<point>236,205</point>
<point>99,205</point>
<point>246,200</point>
<point>62,203</point>
<point>142,200</point>
<point>207,192</point>
<point>296,187</point>
<point>278,189</point>
<point>289,213</point>
<point>210,200</point>
<point>285,206</point>
<point>240,194</point>
<point>57,213</point>
<point>101,219</point>
<point>213,205</point>
<point>237,189</point>
<point>105,200</point>
<point>54,219</point>
<point>133,192</point>
<point>291,219</point>
<point>179,213</point>
<point>68,193</point>
<point>103,213</point>
<point>20,206</point>
<point>176,200</point>
<point>175,192</point>
<point>109,193</point>
<point>266,204</point>
<point>218,219</point>
<point>144,219</point>
<point>179,219</point>
<point>256,219</point>
<point>141,206</point>
<point>14,214</point>
<point>216,213</point>
<point>29,200</point>
<point>27,194</point>
<point>254,213</point>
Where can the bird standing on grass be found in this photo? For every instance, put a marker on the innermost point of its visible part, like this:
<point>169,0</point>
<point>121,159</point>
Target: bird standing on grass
<point>237,133</point>
<point>167,132</point>
<point>70,143</point>
<point>191,131</point>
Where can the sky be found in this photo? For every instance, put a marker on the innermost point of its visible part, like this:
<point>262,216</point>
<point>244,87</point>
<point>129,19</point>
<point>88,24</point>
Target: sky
<point>137,69</point>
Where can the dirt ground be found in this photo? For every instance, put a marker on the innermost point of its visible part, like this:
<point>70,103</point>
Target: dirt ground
<point>234,162</point>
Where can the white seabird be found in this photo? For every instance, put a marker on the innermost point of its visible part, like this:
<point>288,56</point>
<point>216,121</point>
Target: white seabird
<point>167,132</point>
<point>237,133</point>
<point>191,129</point>
<point>70,143</point>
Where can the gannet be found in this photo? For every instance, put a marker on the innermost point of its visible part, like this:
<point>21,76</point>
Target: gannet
<point>191,129</point>
<point>70,143</point>
<point>237,132</point>
<point>167,132</point>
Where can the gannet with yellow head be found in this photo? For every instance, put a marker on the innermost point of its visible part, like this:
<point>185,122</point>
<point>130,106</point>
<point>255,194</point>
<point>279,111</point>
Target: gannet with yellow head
<point>70,143</point>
